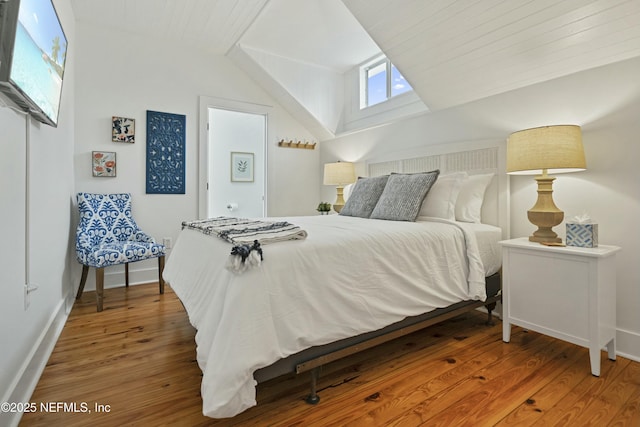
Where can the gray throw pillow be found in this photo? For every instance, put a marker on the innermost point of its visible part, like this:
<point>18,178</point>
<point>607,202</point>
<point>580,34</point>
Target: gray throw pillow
<point>403,195</point>
<point>364,196</point>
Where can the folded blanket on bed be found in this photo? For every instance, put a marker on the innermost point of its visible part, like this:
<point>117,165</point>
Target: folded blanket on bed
<point>240,231</point>
<point>246,235</point>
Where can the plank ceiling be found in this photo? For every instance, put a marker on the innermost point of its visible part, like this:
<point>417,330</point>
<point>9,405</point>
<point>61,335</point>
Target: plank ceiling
<point>451,51</point>
<point>211,25</point>
<point>320,32</point>
<point>454,52</point>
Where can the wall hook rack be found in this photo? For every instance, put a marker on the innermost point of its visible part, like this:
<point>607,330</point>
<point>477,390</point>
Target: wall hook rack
<point>299,144</point>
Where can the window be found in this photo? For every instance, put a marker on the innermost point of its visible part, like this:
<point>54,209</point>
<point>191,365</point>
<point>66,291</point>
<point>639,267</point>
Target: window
<point>382,80</point>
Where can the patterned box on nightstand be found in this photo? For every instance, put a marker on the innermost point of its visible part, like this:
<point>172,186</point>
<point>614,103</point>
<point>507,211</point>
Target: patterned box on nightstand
<point>582,235</point>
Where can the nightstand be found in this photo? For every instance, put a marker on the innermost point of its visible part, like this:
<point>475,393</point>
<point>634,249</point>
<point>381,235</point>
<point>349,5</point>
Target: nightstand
<point>568,293</point>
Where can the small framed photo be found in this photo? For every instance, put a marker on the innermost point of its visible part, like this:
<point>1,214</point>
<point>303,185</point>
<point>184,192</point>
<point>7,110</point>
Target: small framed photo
<point>123,129</point>
<point>103,163</point>
<point>241,167</point>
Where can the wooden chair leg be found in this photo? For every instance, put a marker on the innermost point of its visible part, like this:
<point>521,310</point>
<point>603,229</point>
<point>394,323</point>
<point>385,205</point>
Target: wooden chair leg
<point>99,287</point>
<point>83,280</point>
<point>160,270</point>
<point>126,274</point>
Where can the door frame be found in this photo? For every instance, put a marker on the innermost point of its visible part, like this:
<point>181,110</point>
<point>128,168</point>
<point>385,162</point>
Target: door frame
<point>207,102</point>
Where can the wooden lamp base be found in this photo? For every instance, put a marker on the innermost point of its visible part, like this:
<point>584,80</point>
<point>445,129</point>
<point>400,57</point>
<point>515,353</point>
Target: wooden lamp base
<point>545,214</point>
<point>339,203</point>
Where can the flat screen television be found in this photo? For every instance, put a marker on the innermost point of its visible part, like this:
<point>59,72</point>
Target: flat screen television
<point>33,50</point>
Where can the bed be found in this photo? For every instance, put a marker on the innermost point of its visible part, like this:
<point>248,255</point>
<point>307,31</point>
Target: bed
<point>352,283</point>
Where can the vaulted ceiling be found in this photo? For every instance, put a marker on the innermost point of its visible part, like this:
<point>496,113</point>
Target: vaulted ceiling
<point>211,25</point>
<point>454,52</point>
<point>451,51</point>
<point>321,32</point>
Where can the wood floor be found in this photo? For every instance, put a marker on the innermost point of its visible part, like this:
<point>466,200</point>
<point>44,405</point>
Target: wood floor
<point>134,364</point>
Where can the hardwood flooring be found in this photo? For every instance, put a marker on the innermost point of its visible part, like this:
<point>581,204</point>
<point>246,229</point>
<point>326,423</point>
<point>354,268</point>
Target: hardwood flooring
<point>134,364</point>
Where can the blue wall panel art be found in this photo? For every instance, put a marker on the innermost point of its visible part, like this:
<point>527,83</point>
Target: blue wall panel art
<point>165,153</point>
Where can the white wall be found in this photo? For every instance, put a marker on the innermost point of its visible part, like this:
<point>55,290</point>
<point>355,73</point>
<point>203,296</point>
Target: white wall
<point>51,189</point>
<point>318,89</point>
<point>127,74</point>
<point>606,103</point>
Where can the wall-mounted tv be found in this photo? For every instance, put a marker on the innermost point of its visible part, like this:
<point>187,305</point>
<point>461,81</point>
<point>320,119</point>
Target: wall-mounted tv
<point>33,50</point>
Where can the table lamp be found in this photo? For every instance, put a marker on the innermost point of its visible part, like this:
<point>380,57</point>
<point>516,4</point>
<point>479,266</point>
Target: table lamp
<point>540,151</point>
<point>339,174</point>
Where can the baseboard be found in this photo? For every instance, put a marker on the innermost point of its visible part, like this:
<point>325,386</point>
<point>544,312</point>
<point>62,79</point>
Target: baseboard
<point>628,344</point>
<point>136,277</point>
<point>114,276</point>
<point>29,373</point>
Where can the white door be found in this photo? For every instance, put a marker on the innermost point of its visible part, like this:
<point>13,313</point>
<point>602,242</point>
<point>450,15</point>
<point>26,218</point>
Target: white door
<point>236,163</point>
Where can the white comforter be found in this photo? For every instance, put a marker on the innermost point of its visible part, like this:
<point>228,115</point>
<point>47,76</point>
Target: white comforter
<point>350,276</point>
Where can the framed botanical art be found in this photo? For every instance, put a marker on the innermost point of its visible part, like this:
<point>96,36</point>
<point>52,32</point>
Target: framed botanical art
<point>241,167</point>
<point>123,129</point>
<point>103,163</point>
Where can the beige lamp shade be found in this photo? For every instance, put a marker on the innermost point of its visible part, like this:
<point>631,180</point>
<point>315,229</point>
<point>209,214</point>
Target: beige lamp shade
<point>557,149</point>
<point>339,173</point>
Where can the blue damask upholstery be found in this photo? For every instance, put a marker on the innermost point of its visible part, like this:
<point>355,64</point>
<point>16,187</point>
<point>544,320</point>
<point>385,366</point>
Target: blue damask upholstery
<point>108,235</point>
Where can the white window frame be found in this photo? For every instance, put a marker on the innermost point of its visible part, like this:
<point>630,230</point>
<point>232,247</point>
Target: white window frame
<point>364,81</point>
<point>355,118</point>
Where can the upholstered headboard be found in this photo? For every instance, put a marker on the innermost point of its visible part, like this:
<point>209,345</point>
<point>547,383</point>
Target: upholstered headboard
<point>477,157</point>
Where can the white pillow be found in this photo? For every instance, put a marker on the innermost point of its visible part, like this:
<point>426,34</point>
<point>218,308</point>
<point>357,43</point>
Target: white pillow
<point>346,191</point>
<point>471,196</point>
<point>441,199</point>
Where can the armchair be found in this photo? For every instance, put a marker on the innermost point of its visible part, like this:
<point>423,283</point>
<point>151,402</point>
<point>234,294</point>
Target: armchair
<point>108,235</point>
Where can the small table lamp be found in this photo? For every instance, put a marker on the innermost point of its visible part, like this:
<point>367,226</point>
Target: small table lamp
<point>340,174</point>
<point>543,150</point>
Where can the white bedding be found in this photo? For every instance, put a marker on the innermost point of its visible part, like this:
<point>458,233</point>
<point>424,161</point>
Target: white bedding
<point>487,237</point>
<point>349,276</point>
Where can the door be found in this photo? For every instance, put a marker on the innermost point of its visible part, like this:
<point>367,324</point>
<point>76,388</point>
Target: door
<point>236,163</point>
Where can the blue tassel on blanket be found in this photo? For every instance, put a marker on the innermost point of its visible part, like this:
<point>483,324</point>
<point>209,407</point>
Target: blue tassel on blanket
<point>244,257</point>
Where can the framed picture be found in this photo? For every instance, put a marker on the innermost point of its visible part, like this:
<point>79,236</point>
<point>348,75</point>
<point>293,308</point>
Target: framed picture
<point>103,163</point>
<point>166,136</point>
<point>123,129</point>
<point>241,167</point>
